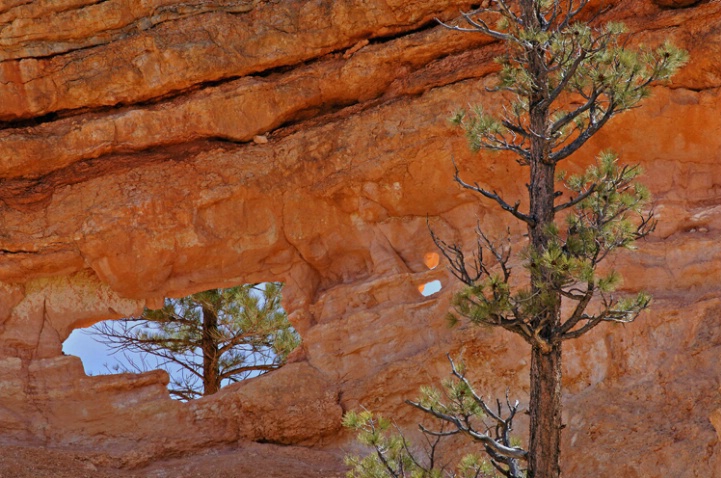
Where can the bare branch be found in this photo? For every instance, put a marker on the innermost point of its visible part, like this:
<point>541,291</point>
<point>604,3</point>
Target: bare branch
<point>486,409</point>
<point>457,260</point>
<point>492,195</point>
<point>479,28</point>
<point>571,13</point>
<point>502,450</point>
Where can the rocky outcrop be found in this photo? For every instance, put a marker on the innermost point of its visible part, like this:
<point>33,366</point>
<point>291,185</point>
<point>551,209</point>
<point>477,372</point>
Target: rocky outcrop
<point>160,148</point>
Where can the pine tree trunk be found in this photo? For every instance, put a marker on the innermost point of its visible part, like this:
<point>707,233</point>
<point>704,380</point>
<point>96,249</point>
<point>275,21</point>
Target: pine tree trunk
<point>545,379</point>
<point>545,409</point>
<point>544,451</point>
<point>211,363</point>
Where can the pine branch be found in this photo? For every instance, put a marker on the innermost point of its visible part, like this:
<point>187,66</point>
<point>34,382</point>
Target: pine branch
<point>578,313</point>
<point>575,200</point>
<point>585,135</point>
<point>592,322</point>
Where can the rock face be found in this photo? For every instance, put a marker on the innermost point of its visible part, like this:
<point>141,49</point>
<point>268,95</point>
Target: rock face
<point>160,148</point>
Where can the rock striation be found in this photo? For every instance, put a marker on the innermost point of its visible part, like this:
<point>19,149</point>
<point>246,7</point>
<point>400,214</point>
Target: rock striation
<point>156,148</point>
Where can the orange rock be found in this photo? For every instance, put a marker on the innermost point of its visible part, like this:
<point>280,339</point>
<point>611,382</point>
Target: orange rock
<point>135,163</point>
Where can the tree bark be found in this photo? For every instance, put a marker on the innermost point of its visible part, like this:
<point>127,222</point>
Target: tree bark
<point>545,408</point>
<point>211,355</point>
<point>544,451</point>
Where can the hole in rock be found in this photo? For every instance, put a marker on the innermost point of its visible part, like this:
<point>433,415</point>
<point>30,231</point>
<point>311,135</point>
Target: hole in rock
<point>204,341</point>
<point>431,260</point>
<point>429,288</point>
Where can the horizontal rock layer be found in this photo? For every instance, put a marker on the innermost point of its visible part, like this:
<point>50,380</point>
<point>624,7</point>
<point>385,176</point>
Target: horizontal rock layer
<point>160,148</point>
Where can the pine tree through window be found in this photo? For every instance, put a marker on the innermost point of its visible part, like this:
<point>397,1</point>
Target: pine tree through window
<point>206,340</point>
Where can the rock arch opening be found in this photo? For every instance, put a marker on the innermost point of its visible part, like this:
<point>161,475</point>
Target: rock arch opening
<point>204,341</point>
<point>431,260</point>
<point>430,288</point>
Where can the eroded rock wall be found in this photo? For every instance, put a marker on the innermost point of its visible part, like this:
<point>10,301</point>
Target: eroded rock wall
<point>160,148</point>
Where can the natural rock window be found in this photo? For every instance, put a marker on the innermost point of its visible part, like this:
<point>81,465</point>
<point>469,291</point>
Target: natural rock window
<point>204,341</point>
<point>430,288</point>
<point>431,260</point>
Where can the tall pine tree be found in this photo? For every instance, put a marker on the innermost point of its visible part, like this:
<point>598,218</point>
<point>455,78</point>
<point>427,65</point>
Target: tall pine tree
<point>561,80</point>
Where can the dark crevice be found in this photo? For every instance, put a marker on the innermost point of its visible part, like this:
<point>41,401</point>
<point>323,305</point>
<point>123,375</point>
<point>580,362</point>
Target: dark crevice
<point>69,113</point>
<point>697,3</point>
<point>340,400</point>
<point>30,122</point>
<point>224,140</point>
<point>9,252</point>
<point>279,70</point>
<point>321,111</point>
<point>268,441</point>
<point>33,194</point>
<point>380,39</point>
<point>323,114</point>
<point>50,56</point>
<point>695,89</point>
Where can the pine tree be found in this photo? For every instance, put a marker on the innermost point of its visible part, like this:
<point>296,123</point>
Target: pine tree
<point>207,339</point>
<point>565,80</point>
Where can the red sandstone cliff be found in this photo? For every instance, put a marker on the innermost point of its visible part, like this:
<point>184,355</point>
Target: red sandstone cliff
<point>128,172</point>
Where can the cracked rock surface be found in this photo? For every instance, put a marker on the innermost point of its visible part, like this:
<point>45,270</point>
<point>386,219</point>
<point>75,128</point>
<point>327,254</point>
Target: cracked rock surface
<point>157,148</point>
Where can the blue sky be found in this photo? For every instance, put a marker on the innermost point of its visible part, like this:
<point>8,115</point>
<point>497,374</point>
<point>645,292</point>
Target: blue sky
<point>93,354</point>
<point>430,288</point>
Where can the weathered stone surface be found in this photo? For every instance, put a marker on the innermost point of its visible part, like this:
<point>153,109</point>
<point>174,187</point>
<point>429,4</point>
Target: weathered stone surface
<point>160,148</point>
<point>163,53</point>
<point>250,459</point>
